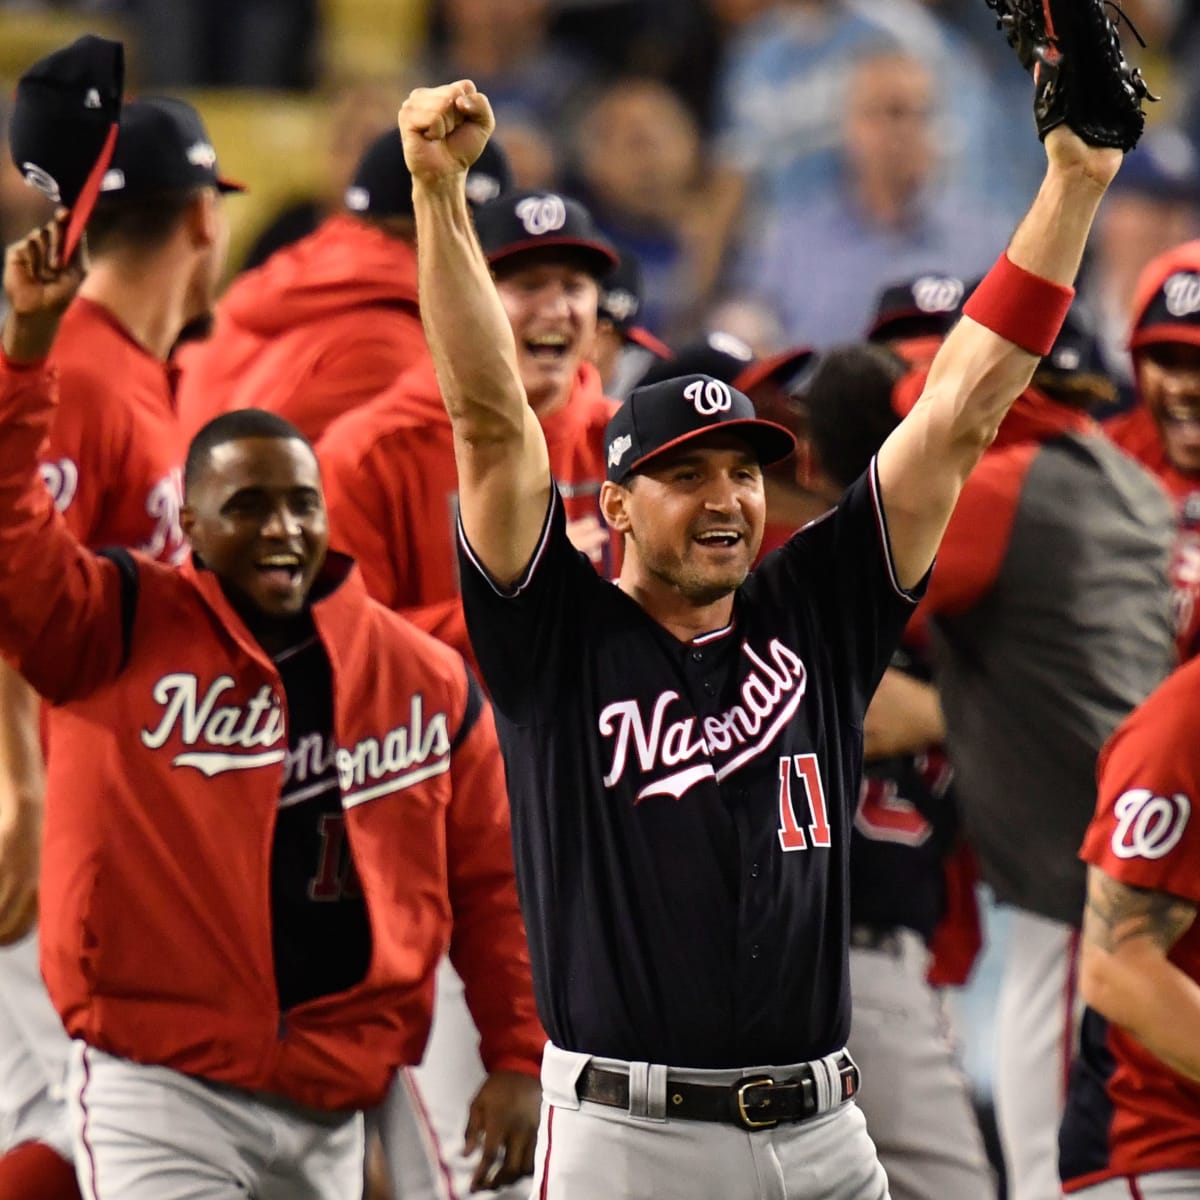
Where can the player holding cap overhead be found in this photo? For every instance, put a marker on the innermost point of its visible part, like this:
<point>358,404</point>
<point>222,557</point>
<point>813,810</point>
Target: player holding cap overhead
<point>684,749</point>
<point>113,456</point>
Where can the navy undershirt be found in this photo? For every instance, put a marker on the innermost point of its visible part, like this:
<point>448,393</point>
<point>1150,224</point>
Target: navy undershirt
<point>320,932</point>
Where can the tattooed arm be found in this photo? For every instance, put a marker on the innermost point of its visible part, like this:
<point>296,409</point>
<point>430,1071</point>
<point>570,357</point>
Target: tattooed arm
<point>1126,975</point>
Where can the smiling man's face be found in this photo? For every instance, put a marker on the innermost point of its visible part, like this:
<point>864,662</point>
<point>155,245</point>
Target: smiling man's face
<point>551,305</point>
<point>255,514</point>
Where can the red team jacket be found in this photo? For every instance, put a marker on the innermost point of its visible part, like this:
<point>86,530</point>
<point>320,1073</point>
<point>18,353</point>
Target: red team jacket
<point>170,749</point>
<point>392,492</point>
<point>117,422</point>
<point>321,327</point>
<point>1146,834</point>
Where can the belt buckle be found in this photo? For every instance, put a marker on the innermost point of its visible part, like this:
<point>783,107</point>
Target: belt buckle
<point>748,1122</point>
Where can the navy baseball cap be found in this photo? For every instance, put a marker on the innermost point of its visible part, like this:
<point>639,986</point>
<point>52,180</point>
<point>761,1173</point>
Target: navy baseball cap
<point>382,184</point>
<point>621,299</point>
<point>162,146</point>
<point>1076,350</point>
<point>664,415</point>
<point>726,357</point>
<point>531,220</point>
<point>64,122</point>
<point>926,304</point>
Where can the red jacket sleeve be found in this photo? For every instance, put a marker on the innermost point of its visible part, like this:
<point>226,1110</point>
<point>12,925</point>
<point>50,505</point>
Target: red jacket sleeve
<point>60,606</point>
<point>361,492</point>
<point>369,359</point>
<point>488,946</point>
<point>1146,830</point>
<point>359,524</point>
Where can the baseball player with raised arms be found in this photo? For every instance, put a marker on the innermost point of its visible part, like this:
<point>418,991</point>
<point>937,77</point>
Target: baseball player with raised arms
<point>1131,1130</point>
<point>112,462</point>
<point>267,798</point>
<point>684,749</point>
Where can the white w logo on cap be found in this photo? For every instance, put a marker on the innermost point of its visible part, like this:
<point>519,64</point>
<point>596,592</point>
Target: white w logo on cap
<point>709,396</point>
<point>542,214</point>
<point>1182,292</point>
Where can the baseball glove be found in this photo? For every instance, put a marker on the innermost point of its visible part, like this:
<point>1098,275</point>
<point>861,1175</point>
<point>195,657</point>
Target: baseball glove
<point>1081,77</point>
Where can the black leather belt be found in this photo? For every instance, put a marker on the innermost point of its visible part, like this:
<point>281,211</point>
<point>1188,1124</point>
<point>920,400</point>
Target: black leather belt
<point>754,1102</point>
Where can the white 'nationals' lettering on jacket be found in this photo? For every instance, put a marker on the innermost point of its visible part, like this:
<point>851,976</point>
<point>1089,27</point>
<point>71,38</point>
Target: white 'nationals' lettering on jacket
<point>249,736</point>
<point>770,694</point>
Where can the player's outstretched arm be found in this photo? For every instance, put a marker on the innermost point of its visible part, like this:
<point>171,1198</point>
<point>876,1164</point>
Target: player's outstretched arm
<point>978,372</point>
<point>503,465</point>
<point>60,607</point>
<point>1126,976</point>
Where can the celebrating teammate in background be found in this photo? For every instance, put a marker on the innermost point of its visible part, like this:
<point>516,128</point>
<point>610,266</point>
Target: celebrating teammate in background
<point>684,749</point>
<point>1132,1124</point>
<point>267,798</point>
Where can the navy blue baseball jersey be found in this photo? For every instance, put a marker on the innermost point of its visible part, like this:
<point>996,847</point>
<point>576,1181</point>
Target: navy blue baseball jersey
<point>682,810</point>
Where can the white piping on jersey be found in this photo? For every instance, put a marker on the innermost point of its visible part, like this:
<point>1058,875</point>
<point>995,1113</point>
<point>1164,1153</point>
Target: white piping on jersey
<point>704,638</point>
<point>523,582</point>
<point>884,536</point>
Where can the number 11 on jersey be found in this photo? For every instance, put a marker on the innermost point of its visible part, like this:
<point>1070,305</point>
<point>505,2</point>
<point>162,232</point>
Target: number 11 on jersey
<point>791,835</point>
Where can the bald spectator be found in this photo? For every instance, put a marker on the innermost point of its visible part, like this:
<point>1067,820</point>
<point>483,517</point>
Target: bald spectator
<point>886,216</point>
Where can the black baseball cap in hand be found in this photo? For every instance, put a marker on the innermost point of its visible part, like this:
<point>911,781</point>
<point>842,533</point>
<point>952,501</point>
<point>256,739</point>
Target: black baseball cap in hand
<point>162,146</point>
<point>64,125</point>
<point>382,184</point>
<point>665,415</point>
<point>524,221</point>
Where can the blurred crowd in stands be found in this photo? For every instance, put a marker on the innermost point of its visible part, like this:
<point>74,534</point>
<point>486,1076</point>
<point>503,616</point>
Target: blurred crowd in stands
<point>771,164</point>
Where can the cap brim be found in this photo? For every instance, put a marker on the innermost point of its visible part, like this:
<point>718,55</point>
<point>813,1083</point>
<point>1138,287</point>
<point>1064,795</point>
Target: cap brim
<point>644,338</point>
<point>1155,335</point>
<point>230,185</point>
<point>771,443</point>
<point>604,257</point>
<point>775,369</point>
<point>85,202</point>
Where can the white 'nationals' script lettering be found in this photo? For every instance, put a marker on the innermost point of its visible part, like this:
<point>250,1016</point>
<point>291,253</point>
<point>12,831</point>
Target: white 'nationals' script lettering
<point>220,738</point>
<point>769,696</point>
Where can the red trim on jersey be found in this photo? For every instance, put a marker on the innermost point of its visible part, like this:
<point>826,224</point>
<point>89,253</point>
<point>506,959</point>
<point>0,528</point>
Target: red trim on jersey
<point>93,1186</point>
<point>1070,992</point>
<point>435,1143</point>
<point>544,1191</point>
<point>713,635</point>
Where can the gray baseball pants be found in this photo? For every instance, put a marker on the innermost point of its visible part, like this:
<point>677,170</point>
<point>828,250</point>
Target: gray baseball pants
<point>589,1151</point>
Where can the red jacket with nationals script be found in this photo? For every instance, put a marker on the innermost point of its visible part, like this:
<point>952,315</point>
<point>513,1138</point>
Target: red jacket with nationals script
<point>319,328</point>
<point>392,491</point>
<point>171,752</point>
<point>1128,1113</point>
<point>115,451</point>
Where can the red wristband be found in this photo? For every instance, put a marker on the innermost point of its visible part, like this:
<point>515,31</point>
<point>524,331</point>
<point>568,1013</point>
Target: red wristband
<point>1020,307</point>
